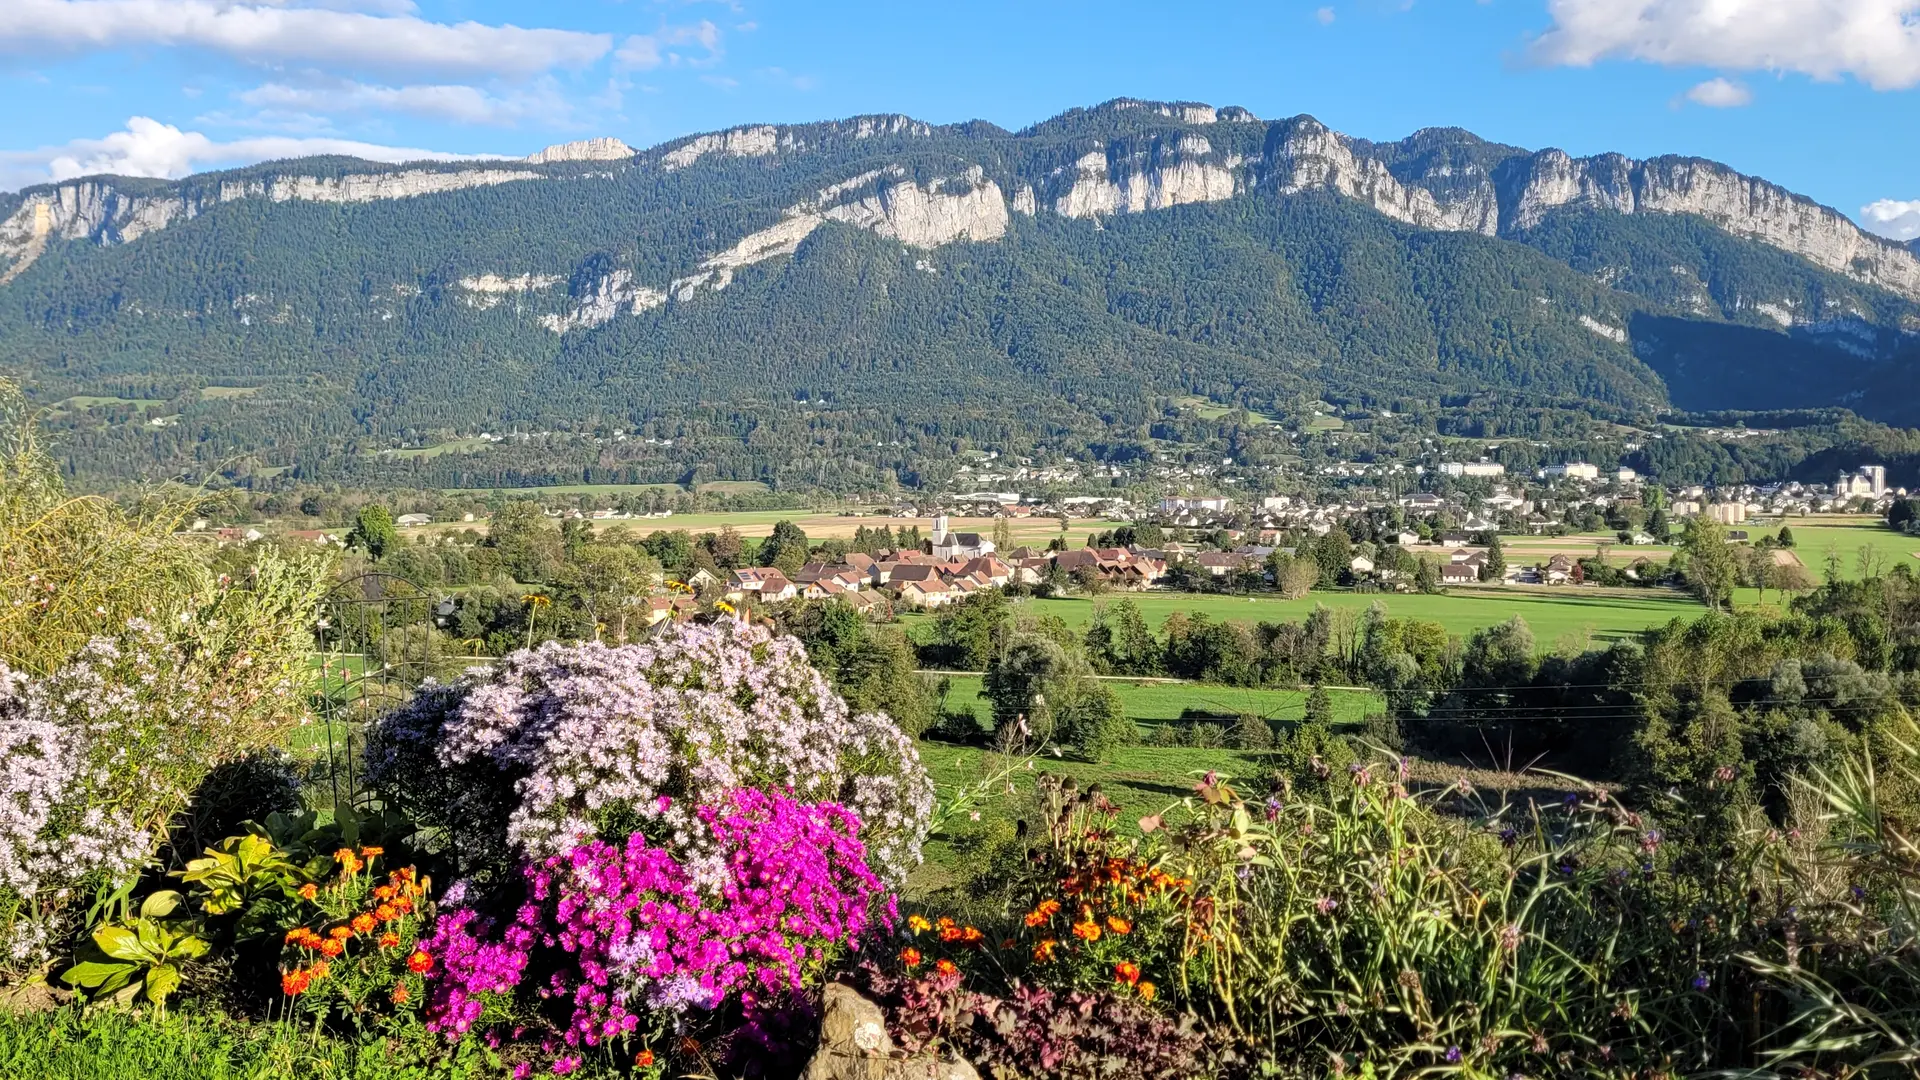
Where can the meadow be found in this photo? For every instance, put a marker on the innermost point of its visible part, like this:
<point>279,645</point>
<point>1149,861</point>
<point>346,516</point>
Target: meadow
<point>1844,538</point>
<point>1590,615</point>
<point>1161,701</point>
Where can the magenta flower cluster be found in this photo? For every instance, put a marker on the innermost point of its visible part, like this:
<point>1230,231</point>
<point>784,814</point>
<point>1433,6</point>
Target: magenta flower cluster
<point>626,929</point>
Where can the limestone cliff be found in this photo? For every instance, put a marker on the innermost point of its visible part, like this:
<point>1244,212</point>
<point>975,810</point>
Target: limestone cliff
<point>601,149</point>
<point>1129,178</point>
<point>95,209</point>
<point>942,211</point>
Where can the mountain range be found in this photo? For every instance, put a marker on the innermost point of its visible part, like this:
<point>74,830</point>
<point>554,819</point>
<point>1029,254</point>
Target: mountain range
<point>921,281</point>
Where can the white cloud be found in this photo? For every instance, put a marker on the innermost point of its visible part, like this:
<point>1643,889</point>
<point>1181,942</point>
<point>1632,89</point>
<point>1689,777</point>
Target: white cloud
<point>1875,41</point>
<point>1720,94</point>
<point>389,37</point>
<point>150,148</point>
<point>1325,15</point>
<point>460,104</point>
<point>644,52</point>
<point>1893,219</point>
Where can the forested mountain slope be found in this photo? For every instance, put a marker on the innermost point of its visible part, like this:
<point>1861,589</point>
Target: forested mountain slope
<point>878,280</point>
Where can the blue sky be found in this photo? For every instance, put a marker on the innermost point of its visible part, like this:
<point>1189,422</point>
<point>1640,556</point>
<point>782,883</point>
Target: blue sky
<point>1818,95</point>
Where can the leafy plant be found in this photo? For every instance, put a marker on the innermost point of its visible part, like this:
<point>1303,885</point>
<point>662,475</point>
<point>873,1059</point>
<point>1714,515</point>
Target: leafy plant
<point>141,956</point>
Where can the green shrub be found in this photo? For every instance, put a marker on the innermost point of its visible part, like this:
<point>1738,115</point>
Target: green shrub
<point>1251,733</point>
<point>1206,736</point>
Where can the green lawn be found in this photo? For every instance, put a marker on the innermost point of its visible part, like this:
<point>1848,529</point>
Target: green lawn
<point>1552,613</point>
<point>1149,702</point>
<point>220,393</point>
<point>1141,780</point>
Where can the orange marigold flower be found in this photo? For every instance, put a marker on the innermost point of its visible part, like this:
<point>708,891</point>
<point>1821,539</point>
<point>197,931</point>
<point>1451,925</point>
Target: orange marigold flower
<point>363,922</point>
<point>333,947</point>
<point>386,913</point>
<point>643,1059</point>
<point>309,891</point>
<point>950,933</point>
<point>389,940</point>
<point>945,924</point>
<point>403,904</point>
<point>400,994</point>
<point>918,924</point>
<point>910,957</point>
<point>1087,931</point>
<point>383,892</point>
<point>1146,990</point>
<point>420,962</point>
<point>296,934</point>
<point>320,969</point>
<point>349,862</point>
<point>340,933</point>
<point>1127,972</point>
<point>1043,952</point>
<point>370,852</point>
<point>947,967</point>
<point>1119,925</point>
<point>294,983</point>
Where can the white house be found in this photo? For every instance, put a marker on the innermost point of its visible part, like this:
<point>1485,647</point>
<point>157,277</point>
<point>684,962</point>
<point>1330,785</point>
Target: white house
<point>407,521</point>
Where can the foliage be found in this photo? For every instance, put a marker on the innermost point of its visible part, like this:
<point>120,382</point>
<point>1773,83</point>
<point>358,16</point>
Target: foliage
<point>139,956</point>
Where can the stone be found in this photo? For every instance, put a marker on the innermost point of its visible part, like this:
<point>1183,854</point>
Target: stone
<point>854,1045</point>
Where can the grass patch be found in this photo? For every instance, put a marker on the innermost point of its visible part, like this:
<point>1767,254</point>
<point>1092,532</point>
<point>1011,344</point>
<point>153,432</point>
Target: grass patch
<point>228,393</point>
<point>1148,702</point>
<point>1327,423</point>
<point>734,487</point>
<point>1845,537</point>
<point>457,446</point>
<point>1552,613</point>
<point>89,401</point>
<point>106,1044</point>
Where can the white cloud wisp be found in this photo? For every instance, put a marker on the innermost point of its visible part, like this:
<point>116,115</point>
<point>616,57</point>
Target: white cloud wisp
<point>147,147</point>
<point>1874,41</point>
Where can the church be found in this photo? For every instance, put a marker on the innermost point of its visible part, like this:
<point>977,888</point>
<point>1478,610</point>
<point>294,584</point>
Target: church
<point>956,547</point>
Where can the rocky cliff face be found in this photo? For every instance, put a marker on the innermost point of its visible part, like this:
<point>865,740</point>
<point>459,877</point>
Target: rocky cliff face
<point>1123,157</point>
<point>1129,179</point>
<point>942,211</point>
<point>601,149</point>
<point>94,209</point>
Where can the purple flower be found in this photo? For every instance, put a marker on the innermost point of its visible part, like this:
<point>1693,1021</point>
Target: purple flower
<point>1453,1055</point>
<point>641,933</point>
<point>1701,982</point>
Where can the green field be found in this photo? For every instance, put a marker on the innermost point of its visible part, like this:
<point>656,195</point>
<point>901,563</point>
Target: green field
<point>1211,410</point>
<point>457,446</point>
<point>1327,423</point>
<point>227,393</point>
<point>1845,538</point>
<point>1161,702</point>
<point>88,401</point>
<point>1551,613</point>
<point>1140,780</point>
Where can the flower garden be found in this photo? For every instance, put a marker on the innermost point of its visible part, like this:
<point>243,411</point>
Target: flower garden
<point>654,859</point>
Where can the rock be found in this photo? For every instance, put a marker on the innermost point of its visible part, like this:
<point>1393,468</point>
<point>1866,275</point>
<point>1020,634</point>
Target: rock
<point>854,1045</point>
<point>605,148</point>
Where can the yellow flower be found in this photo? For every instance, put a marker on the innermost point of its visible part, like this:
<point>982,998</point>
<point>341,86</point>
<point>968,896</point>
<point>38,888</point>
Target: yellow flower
<point>918,924</point>
<point>1146,991</point>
